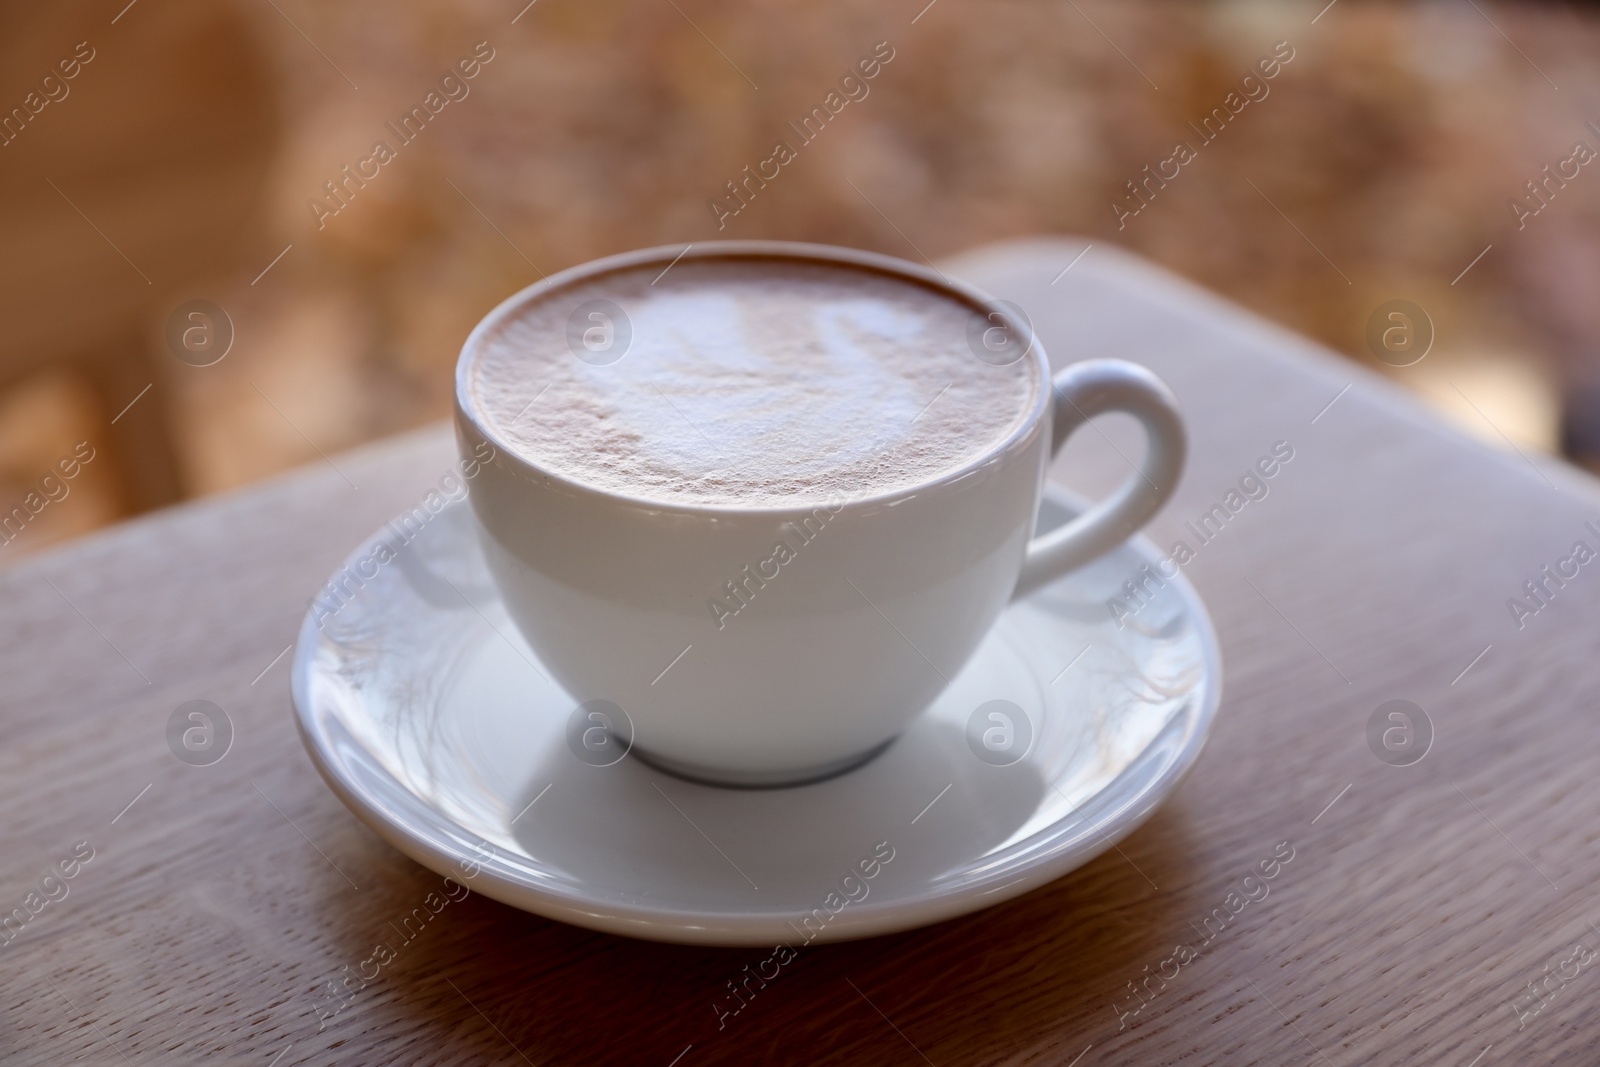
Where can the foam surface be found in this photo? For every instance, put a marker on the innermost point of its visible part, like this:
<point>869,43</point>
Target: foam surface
<point>758,382</point>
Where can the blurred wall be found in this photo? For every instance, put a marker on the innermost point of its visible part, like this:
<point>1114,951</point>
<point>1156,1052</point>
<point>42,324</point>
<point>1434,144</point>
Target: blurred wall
<point>1379,160</point>
<point>133,160</point>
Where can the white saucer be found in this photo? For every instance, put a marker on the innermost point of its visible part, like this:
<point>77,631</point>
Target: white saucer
<point>432,720</point>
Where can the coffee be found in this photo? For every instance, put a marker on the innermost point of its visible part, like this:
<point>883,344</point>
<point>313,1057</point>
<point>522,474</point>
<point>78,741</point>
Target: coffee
<point>753,382</point>
<point>783,434</point>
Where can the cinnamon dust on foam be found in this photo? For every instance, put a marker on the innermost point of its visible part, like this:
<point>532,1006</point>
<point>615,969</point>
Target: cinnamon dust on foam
<point>753,383</point>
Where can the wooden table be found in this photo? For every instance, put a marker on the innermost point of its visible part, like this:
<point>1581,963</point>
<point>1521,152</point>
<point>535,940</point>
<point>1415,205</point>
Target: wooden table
<point>1420,902</point>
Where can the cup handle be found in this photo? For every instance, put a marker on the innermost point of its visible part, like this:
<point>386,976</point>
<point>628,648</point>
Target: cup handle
<point>1082,391</point>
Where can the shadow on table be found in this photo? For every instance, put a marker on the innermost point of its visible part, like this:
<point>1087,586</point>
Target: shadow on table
<point>974,989</point>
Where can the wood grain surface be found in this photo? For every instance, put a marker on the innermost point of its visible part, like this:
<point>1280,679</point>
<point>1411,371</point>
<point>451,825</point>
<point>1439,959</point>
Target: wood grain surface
<point>1419,903</point>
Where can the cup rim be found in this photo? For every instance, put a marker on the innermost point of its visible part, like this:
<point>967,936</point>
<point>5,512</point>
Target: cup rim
<point>799,251</point>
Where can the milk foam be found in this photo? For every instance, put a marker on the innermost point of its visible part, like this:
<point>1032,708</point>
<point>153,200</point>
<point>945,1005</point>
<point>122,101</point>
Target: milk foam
<point>756,382</point>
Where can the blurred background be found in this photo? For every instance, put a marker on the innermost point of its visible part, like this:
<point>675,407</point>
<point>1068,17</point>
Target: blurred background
<point>162,152</point>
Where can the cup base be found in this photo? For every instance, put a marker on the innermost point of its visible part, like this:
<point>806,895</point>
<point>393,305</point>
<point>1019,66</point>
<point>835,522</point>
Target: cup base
<point>730,779</point>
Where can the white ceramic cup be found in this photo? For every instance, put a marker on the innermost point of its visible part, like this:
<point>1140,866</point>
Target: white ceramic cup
<point>834,650</point>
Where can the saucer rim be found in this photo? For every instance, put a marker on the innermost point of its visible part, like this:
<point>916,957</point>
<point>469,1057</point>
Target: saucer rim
<point>438,843</point>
